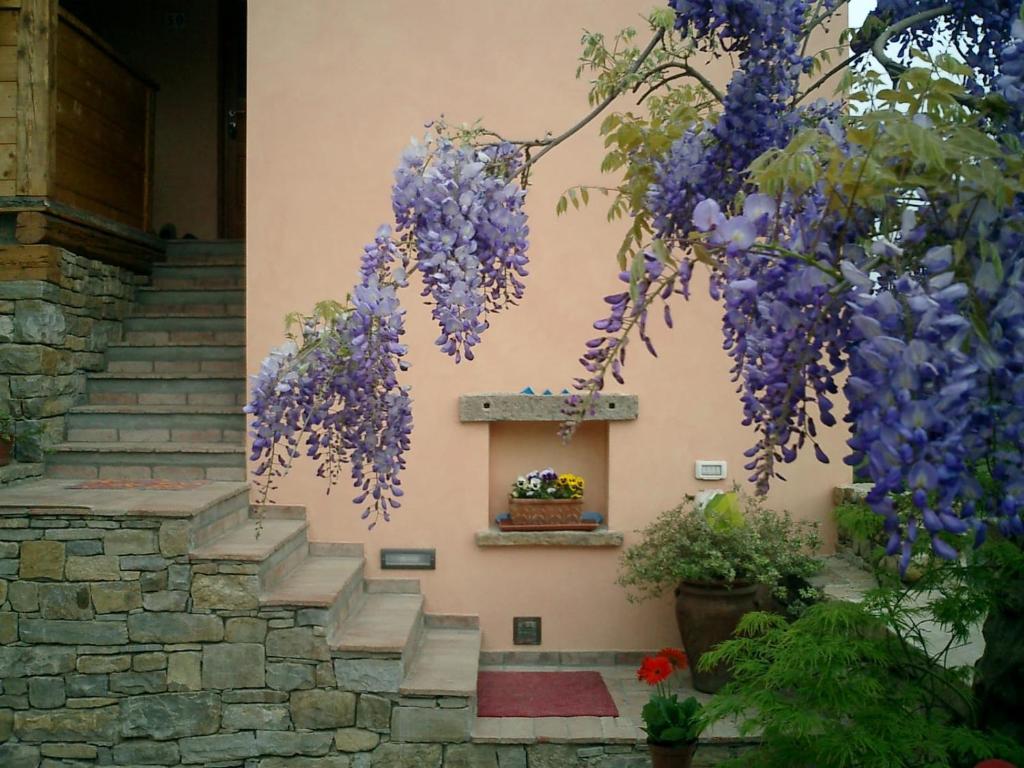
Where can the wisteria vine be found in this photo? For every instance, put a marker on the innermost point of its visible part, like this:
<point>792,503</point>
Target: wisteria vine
<point>907,301</point>
<point>334,395</point>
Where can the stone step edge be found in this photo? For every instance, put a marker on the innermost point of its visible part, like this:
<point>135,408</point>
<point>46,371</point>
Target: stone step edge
<point>156,448</point>
<point>341,649</point>
<point>174,345</point>
<point>157,410</point>
<point>409,687</point>
<point>285,543</point>
<point>107,375</point>
<point>467,621</point>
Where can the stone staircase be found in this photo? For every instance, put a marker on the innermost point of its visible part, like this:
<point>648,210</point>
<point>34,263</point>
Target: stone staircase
<point>375,631</point>
<point>168,405</point>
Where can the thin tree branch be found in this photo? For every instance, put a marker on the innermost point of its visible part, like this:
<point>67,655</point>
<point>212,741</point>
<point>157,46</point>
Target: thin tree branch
<point>685,70</point>
<point>616,92</point>
<point>827,76</point>
<point>894,68</point>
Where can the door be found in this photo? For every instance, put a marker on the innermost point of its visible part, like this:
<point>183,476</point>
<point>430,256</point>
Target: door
<point>232,166</point>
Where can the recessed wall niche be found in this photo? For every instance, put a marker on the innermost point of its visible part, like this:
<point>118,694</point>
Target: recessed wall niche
<point>524,436</point>
<point>516,447</point>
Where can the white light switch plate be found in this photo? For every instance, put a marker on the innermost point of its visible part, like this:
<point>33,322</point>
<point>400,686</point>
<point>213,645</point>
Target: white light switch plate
<point>711,469</point>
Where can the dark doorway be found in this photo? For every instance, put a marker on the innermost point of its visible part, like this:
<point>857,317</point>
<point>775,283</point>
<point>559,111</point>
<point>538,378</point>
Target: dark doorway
<point>194,50</point>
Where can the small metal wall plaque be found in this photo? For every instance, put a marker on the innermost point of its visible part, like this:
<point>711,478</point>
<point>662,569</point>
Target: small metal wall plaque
<point>526,630</point>
<point>408,559</point>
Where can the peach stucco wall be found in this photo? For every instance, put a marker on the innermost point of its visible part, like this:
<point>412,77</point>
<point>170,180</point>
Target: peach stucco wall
<point>336,90</point>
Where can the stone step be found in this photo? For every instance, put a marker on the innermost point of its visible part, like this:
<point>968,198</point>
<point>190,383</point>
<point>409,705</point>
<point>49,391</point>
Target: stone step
<point>165,389</point>
<point>141,461</point>
<point>179,297</point>
<point>176,424</point>
<point>383,624</point>
<point>205,251</point>
<point>325,588</point>
<point>188,310</point>
<point>203,276</point>
<point>218,520</point>
<point>182,337</point>
<point>151,342</point>
<point>226,359</point>
<point>272,547</point>
<point>187,324</point>
<point>446,663</point>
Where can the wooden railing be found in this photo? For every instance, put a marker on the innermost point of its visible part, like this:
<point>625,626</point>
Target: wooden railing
<point>76,122</point>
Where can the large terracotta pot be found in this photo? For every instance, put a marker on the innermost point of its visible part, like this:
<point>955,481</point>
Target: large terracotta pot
<point>672,757</point>
<point>5,452</point>
<point>707,614</point>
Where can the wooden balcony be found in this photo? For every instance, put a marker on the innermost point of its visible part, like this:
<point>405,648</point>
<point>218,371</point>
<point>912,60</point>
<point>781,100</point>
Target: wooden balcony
<point>76,138</point>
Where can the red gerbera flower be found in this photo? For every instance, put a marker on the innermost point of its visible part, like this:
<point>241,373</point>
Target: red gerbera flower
<point>677,657</point>
<point>994,763</point>
<point>654,669</point>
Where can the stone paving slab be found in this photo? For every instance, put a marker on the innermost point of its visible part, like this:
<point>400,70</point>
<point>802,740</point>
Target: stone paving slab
<point>53,496</point>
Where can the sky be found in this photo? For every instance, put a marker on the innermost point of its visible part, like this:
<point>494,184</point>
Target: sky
<point>859,10</point>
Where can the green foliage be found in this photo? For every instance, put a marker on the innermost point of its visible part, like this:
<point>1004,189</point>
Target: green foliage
<point>634,141</point>
<point>736,540</point>
<point>670,721</point>
<point>866,685</point>
<point>856,520</point>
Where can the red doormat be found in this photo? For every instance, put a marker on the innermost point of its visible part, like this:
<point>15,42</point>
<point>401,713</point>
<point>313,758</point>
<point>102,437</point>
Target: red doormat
<point>543,694</point>
<point>138,485</point>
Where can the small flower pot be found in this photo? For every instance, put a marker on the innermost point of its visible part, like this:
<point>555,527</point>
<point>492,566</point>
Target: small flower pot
<point>5,452</point>
<point>675,756</point>
<point>545,511</point>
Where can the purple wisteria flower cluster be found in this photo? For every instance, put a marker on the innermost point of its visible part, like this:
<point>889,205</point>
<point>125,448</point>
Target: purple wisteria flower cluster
<point>928,320</point>
<point>463,209</point>
<point>337,398</point>
<point>756,115</point>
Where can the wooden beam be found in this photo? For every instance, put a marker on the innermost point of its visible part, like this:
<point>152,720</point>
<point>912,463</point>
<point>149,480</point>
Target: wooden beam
<point>36,227</point>
<point>30,262</point>
<point>36,101</point>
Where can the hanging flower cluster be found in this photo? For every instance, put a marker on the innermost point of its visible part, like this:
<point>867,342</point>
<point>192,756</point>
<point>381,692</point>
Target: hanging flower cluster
<point>463,211</point>
<point>336,398</point>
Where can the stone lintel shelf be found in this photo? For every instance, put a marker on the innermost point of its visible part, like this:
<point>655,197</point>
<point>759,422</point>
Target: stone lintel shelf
<point>508,406</point>
<point>602,537</point>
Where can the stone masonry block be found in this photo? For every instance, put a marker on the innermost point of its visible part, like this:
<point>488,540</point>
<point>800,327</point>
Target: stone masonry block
<point>368,675</point>
<point>418,724</point>
<point>42,560</point>
<point>130,541</point>
<point>297,643</point>
<point>184,671</point>
<point>95,568</point>
<point>234,665</point>
<point>170,715</point>
<point>175,628</point>
<point>320,708</point>
<point>373,712</point>
<point>116,597</point>
<point>231,593</point>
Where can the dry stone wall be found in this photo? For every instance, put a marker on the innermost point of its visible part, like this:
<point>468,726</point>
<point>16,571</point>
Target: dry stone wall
<point>118,649</point>
<point>52,331</point>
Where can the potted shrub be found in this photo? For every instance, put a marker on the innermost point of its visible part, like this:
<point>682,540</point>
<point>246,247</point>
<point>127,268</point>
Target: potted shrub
<point>723,558</point>
<point>545,498</point>
<point>672,726</point>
